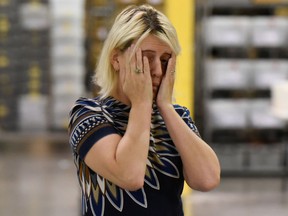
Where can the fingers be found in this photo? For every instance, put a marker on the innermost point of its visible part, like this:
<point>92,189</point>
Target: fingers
<point>171,66</point>
<point>146,67</point>
<point>139,64</point>
<point>134,62</point>
<point>130,60</point>
<point>127,69</point>
<point>165,93</point>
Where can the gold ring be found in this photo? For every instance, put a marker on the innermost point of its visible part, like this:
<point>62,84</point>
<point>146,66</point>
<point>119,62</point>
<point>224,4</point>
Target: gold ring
<point>173,71</point>
<point>137,70</point>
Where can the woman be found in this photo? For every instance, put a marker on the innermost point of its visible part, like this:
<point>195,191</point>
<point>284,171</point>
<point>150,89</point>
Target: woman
<point>132,147</point>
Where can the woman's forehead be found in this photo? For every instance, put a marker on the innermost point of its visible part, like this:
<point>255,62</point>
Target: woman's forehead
<point>153,44</point>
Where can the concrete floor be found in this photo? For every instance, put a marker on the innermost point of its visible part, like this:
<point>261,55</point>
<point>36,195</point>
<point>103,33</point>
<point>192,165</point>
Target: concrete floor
<point>242,197</point>
<point>39,181</point>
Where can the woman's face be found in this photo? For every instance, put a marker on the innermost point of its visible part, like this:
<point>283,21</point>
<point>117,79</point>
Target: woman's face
<point>158,54</point>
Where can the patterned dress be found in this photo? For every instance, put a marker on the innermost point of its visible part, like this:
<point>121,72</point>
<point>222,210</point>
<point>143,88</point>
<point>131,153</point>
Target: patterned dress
<point>92,119</point>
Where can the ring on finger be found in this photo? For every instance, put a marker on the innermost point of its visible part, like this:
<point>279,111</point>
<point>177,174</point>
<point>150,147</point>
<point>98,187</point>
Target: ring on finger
<point>137,70</point>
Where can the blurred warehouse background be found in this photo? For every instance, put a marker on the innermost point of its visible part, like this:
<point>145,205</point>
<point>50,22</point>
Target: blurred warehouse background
<point>242,58</point>
<point>233,74</point>
<point>49,50</point>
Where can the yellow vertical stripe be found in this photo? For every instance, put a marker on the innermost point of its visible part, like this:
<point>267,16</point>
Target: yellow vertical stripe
<point>181,13</point>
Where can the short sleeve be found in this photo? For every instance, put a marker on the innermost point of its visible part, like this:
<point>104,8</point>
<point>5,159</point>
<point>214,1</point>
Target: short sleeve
<point>87,125</point>
<point>185,115</point>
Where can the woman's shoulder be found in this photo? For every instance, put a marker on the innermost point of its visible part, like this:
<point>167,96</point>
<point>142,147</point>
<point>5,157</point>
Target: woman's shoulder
<point>88,109</point>
<point>85,101</point>
<point>84,105</point>
<point>98,107</point>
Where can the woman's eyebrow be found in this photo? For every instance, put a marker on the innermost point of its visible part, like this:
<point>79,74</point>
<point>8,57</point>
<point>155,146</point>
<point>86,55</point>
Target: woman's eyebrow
<point>148,51</point>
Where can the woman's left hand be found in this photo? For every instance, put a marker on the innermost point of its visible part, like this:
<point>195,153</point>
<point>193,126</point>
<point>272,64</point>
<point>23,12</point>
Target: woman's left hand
<point>165,93</point>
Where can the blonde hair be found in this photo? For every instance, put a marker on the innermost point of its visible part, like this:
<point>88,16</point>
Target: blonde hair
<point>134,22</point>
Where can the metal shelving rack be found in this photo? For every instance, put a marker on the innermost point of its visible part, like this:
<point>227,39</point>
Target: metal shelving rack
<point>48,53</point>
<point>246,146</point>
<point>40,46</point>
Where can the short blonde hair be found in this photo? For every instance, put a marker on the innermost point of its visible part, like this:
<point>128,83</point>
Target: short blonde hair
<point>134,22</point>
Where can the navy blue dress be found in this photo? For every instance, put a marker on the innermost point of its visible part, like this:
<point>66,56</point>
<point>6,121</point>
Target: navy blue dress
<point>92,119</point>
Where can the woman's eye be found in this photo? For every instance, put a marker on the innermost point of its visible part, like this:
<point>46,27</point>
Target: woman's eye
<point>164,62</point>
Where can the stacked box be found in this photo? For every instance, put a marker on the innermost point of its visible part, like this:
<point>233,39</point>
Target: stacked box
<point>33,71</point>
<point>222,32</point>
<point>267,73</point>
<point>228,74</point>
<point>8,92</point>
<point>33,112</point>
<point>67,59</point>
<point>9,67</point>
<point>24,60</point>
<point>98,19</point>
<point>261,115</point>
<point>228,113</point>
<point>34,77</point>
<point>269,31</point>
<point>9,56</point>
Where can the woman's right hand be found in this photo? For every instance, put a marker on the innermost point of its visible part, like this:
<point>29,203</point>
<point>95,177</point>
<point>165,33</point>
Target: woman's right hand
<point>123,159</point>
<point>135,77</point>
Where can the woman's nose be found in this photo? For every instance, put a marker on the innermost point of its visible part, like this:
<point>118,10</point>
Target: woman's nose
<point>156,69</point>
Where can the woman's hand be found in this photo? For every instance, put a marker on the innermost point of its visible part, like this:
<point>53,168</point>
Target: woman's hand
<point>165,93</point>
<point>135,77</point>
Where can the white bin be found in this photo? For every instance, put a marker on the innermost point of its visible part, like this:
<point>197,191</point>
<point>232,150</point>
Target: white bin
<point>229,113</point>
<point>227,74</point>
<point>267,73</point>
<point>269,31</point>
<point>221,31</point>
<point>261,115</point>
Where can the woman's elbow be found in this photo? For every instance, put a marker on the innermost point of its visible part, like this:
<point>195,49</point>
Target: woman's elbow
<point>204,184</point>
<point>133,184</point>
<point>209,184</point>
<point>131,179</point>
